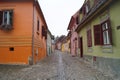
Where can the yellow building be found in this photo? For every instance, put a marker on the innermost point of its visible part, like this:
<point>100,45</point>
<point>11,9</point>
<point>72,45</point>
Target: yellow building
<point>66,44</point>
<point>99,30</point>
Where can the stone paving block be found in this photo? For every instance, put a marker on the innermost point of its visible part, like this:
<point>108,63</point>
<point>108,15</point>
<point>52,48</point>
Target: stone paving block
<point>58,66</point>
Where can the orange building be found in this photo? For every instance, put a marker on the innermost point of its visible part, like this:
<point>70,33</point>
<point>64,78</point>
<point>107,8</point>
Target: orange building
<point>23,32</point>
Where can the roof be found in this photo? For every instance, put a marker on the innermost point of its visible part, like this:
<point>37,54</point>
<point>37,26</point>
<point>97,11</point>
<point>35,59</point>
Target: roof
<point>94,11</point>
<point>71,23</point>
<point>39,9</point>
<point>72,20</point>
<point>52,37</point>
<point>60,39</point>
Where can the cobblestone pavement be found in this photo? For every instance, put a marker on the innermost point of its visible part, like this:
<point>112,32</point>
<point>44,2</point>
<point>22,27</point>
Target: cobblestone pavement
<point>58,66</point>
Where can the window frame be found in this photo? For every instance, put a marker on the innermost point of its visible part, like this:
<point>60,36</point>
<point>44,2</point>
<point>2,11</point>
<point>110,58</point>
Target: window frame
<point>97,35</point>
<point>108,31</point>
<point>87,6</point>
<point>8,23</point>
<point>98,29</point>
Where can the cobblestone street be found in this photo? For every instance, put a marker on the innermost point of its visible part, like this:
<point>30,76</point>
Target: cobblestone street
<point>58,66</point>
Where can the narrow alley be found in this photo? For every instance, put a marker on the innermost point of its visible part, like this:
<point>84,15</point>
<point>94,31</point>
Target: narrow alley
<point>58,66</point>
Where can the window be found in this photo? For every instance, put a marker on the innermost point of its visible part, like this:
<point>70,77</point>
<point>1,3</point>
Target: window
<point>77,20</point>
<point>106,32</point>
<point>89,38</point>
<point>38,25</point>
<point>83,10</point>
<point>102,33</point>
<point>87,7</point>
<point>97,35</point>
<point>6,19</point>
<point>44,32</point>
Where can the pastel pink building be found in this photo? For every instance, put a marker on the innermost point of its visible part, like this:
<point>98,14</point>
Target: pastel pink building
<point>74,36</point>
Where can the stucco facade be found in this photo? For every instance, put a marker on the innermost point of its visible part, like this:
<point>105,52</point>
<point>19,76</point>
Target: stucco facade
<point>58,42</point>
<point>49,43</point>
<point>74,43</point>
<point>66,46</point>
<point>24,43</point>
<point>101,50</point>
<point>73,34</point>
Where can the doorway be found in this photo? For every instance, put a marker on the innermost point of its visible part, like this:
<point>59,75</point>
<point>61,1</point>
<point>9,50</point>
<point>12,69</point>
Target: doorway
<point>81,46</point>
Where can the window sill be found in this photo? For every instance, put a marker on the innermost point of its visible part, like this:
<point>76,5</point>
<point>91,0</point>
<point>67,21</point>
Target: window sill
<point>107,49</point>
<point>6,27</point>
<point>107,46</point>
<point>90,49</point>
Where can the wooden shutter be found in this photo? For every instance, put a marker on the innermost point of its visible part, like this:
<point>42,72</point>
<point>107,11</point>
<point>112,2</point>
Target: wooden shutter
<point>11,17</point>
<point>89,38</point>
<point>44,32</point>
<point>83,10</point>
<point>110,30</point>
<point>97,35</point>
<point>77,20</point>
<point>37,25</point>
<point>1,17</point>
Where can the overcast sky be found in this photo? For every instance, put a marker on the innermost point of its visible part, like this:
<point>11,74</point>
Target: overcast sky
<point>57,14</point>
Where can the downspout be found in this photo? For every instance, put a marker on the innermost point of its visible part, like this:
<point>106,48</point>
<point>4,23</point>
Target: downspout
<point>46,43</point>
<point>33,36</point>
<point>47,51</point>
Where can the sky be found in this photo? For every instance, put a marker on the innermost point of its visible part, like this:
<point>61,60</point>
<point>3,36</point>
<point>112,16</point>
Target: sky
<point>58,13</point>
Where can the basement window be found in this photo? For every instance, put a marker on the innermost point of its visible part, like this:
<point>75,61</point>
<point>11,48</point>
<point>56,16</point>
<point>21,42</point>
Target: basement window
<point>11,49</point>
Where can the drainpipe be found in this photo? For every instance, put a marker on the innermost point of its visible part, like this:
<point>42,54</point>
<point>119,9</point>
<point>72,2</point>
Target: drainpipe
<point>33,35</point>
<point>46,46</point>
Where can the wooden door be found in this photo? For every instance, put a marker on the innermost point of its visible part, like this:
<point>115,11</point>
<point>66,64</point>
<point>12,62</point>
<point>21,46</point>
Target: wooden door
<point>81,46</point>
